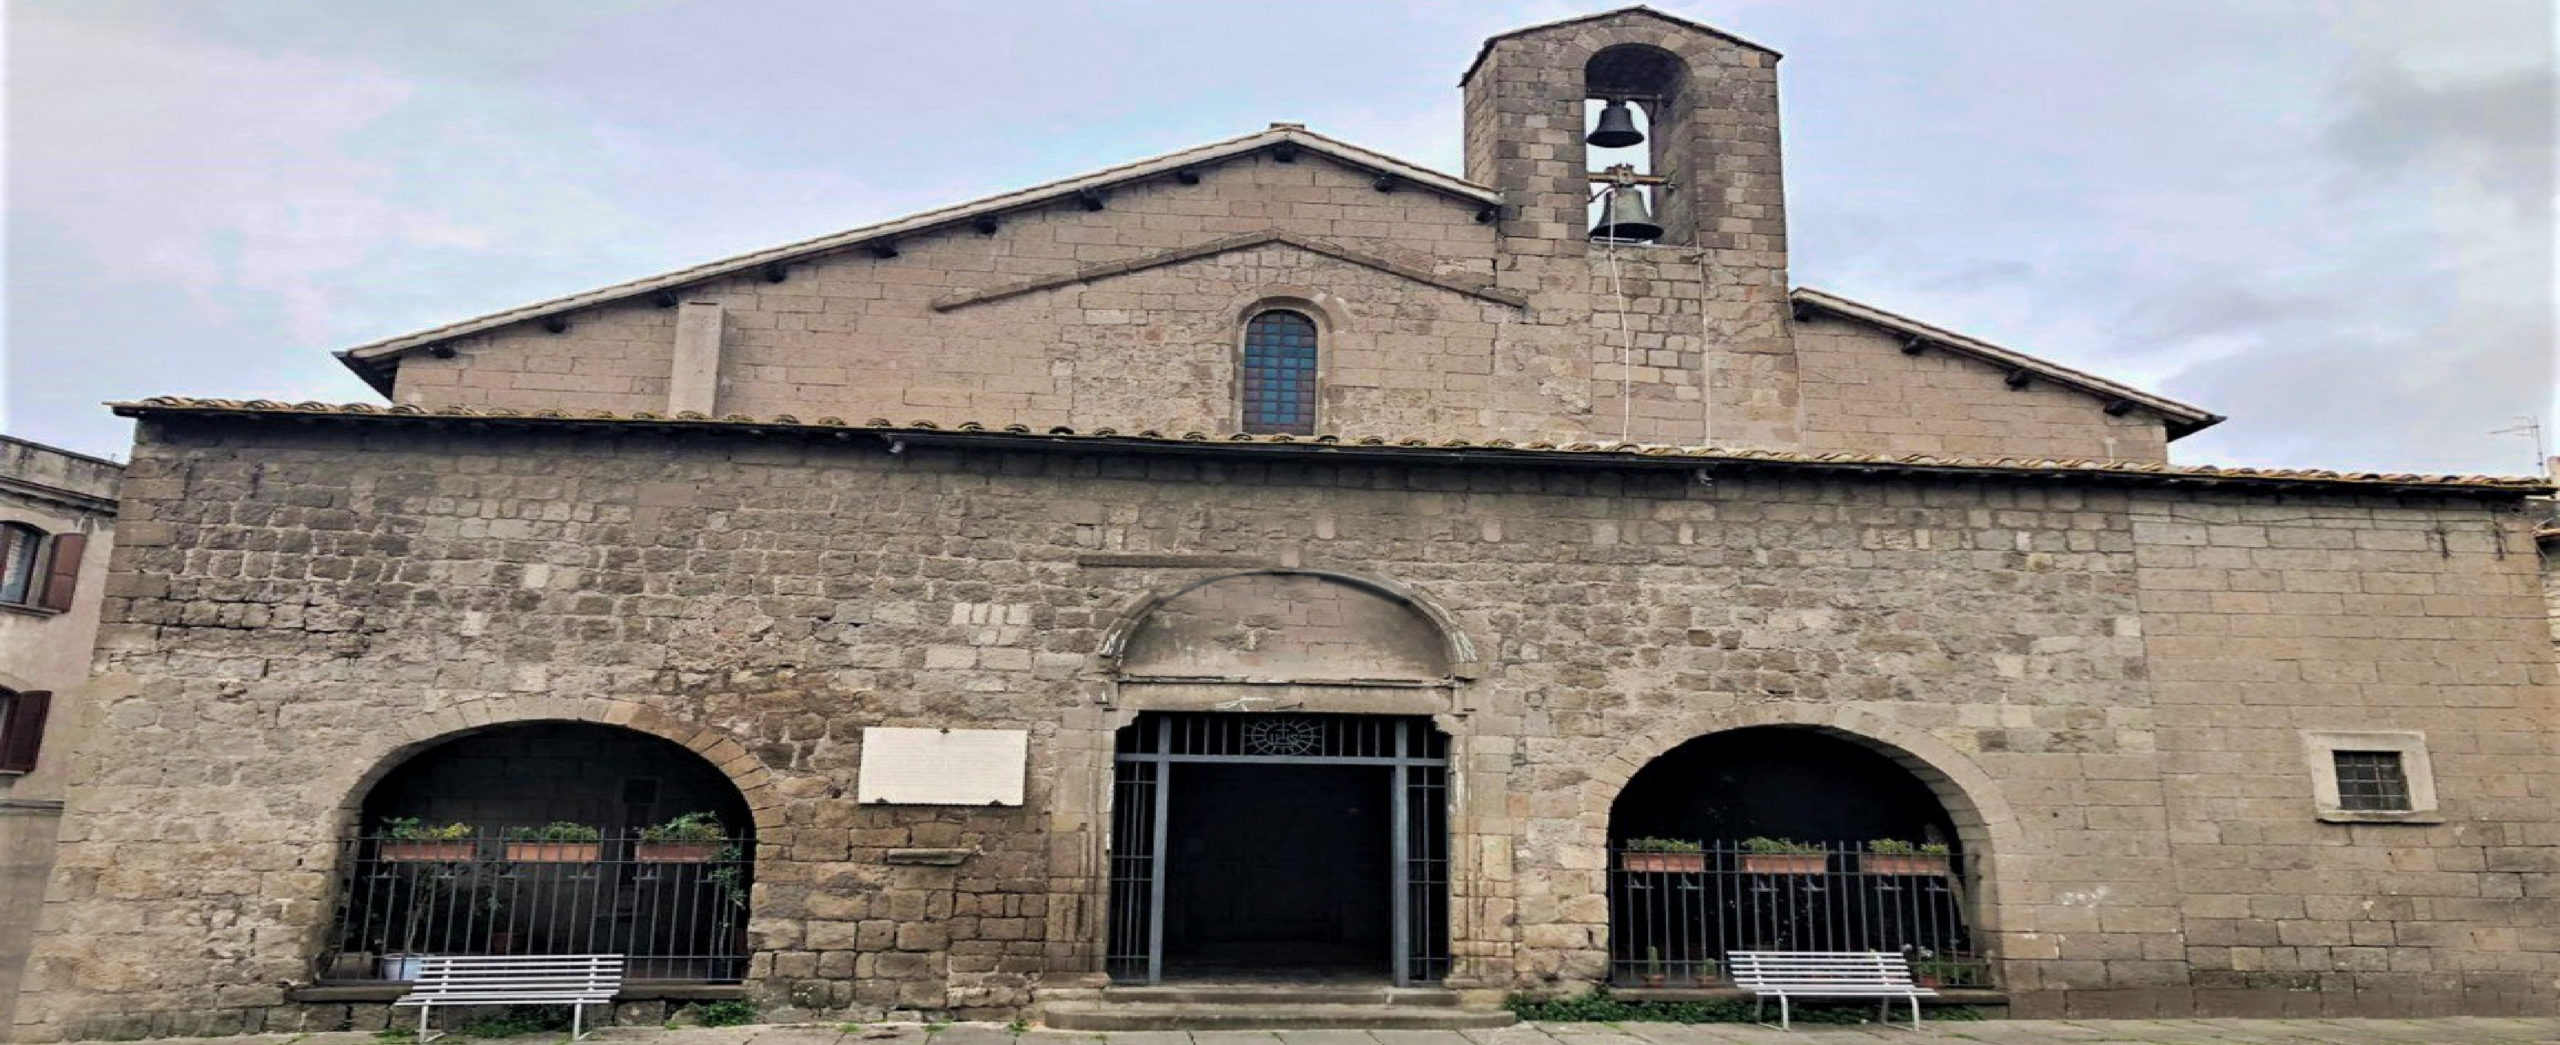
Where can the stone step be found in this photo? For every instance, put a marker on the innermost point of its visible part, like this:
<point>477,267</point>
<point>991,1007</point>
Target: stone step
<point>1144,1016</point>
<point>1280,994</point>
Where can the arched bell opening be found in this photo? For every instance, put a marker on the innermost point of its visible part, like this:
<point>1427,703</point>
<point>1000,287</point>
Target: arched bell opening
<point>540,838</point>
<point>1787,838</point>
<point>1630,149</point>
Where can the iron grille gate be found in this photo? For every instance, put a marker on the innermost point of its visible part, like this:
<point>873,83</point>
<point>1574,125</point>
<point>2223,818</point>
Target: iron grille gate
<point>1415,755</point>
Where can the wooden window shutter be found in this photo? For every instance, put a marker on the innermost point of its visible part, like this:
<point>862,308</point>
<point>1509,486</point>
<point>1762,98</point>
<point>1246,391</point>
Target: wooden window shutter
<point>23,734</point>
<point>62,574</point>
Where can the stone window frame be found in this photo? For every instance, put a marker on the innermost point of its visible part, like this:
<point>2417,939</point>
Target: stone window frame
<point>1330,320</point>
<point>2320,750</point>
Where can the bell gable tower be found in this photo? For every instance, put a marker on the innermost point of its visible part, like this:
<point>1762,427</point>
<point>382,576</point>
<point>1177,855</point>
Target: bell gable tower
<point>1711,100</point>
<point>1688,245</point>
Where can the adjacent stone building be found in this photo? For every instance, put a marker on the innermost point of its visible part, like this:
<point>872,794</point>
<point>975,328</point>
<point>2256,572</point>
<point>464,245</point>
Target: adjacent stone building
<point>1276,561</point>
<point>57,525</point>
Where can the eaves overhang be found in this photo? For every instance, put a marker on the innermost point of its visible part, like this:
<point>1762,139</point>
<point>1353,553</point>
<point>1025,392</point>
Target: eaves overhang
<point>1707,460</point>
<point>2180,419</point>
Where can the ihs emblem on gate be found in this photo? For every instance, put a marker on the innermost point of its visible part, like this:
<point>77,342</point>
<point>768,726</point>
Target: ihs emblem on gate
<point>1282,735</point>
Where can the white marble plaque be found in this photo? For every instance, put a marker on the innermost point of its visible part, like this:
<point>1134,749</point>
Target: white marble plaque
<point>943,767</point>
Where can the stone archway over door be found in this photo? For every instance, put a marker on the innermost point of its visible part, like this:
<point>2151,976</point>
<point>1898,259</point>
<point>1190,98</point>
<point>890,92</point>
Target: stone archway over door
<point>1205,676</point>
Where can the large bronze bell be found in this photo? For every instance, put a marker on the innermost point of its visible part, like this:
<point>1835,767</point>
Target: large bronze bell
<point>1623,216</point>
<point>1617,128</point>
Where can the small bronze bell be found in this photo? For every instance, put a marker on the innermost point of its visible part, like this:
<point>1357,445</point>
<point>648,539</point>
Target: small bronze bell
<point>1623,216</point>
<point>1617,127</point>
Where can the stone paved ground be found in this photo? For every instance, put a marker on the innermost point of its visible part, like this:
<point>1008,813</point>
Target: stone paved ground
<point>2459,1031</point>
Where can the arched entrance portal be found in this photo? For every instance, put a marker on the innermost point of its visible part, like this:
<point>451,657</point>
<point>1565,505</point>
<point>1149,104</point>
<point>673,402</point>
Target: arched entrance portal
<point>1784,838</point>
<point>1280,803</point>
<point>547,838</point>
<point>1279,846</point>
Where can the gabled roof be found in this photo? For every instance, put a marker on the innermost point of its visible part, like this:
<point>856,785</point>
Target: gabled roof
<point>1636,9</point>
<point>375,361</point>
<point>2183,419</point>
<point>1361,448</point>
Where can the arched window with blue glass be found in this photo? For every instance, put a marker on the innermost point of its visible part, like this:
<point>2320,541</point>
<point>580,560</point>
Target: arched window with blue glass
<point>1279,373</point>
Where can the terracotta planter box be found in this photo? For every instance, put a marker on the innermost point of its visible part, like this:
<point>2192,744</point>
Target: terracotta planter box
<point>676,852</point>
<point>1784,863</point>
<point>555,852</point>
<point>1675,863</point>
<point>445,851</point>
<point>1924,864</point>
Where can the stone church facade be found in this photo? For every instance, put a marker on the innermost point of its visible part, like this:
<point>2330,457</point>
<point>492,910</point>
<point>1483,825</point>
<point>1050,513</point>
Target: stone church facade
<point>1366,566</point>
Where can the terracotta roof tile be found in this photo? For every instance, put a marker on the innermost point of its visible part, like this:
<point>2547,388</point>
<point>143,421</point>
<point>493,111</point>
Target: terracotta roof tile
<point>1587,452</point>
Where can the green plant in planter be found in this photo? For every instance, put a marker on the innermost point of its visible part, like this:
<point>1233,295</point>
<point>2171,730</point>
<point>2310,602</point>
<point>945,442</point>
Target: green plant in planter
<point>1764,855</point>
<point>1663,856</point>
<point>1898,847</point>
<point>555,831</point>
<point>1767,846</point>
<point>413,829</point>
<point>691,827</point>
<point>1662,845</point>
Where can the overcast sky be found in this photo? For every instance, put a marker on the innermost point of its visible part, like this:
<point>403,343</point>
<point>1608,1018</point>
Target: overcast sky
<point>2332,221</point>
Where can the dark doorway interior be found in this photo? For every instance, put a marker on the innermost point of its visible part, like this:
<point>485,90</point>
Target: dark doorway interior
<point>1278,870</point>
<point>606,777</point>
<point>1781,782</point>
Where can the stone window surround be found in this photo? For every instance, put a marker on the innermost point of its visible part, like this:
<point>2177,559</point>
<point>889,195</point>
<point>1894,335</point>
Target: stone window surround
<point>2320,748</point>
<point>1331,318</point>
<point>1276,334</point>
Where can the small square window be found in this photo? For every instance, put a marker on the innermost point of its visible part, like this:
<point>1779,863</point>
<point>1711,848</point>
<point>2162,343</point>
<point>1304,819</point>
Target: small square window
<point>2371,777</point>
<point>2371,780</point>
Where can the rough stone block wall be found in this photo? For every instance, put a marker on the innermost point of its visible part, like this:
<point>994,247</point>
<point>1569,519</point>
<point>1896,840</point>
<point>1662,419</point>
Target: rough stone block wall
<point>851,335</point>
<point>856,336</point>
<point>295,606</point>
<point>1862,394</point>
<point>2549,543</point>
<point>2270,618</point>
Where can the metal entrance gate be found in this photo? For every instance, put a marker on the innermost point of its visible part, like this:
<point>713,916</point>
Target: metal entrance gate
<point>1415,755</point>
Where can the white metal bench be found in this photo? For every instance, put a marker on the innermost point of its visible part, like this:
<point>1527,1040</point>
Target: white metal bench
<point>1826,974</point>
<point>574,980</point>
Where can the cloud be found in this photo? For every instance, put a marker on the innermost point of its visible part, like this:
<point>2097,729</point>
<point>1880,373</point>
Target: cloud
<point>2328,221</point>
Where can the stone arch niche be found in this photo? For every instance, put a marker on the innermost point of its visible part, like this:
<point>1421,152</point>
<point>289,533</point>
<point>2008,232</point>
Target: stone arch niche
<point>1785,836</point>
<point>544,837</point>
<point>1288,638</point>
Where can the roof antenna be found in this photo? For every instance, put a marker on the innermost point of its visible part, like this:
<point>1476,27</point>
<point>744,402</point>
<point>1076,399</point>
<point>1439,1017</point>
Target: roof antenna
<point>2530,427</point>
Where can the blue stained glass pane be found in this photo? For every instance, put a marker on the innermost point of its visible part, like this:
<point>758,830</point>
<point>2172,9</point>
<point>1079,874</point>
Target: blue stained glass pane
<point>1279,386</point>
